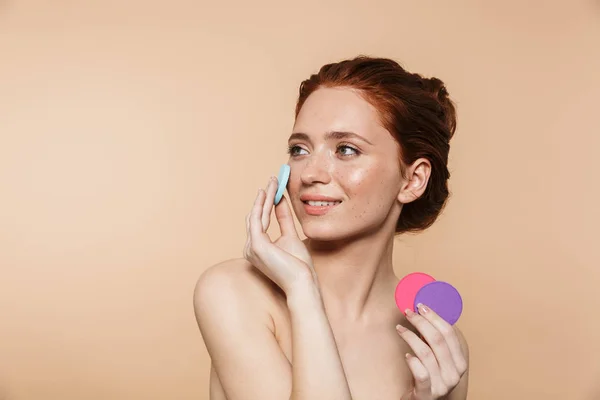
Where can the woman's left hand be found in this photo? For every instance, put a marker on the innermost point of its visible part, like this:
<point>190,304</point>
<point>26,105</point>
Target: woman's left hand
<point>440,361</point>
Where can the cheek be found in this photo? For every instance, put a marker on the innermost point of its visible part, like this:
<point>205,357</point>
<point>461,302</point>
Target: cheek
<point>293,184</point>
<point>293,187</point>
<point>372,190</point>
<point>360,182</point>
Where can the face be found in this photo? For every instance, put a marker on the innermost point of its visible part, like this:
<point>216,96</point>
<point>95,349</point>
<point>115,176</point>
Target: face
<point>345,178</point>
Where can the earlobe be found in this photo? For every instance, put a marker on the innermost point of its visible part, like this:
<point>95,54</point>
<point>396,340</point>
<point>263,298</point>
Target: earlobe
<point>417,178</point>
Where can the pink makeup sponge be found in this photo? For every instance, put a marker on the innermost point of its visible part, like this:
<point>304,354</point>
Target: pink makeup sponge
<point>408,287</point>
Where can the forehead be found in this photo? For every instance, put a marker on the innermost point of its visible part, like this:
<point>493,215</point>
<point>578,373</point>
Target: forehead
<point>340,109</point>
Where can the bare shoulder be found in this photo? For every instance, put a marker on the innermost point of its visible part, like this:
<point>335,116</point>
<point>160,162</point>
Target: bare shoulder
<point>238,274</point>
<point>229,270</point>
<point>232,284</point>
<point>234,304</point>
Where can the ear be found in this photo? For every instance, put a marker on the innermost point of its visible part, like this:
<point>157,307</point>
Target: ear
<point>417,176</point>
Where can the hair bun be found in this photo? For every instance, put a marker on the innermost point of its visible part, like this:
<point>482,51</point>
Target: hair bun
<point>435,86</point>
<point>448,111</point>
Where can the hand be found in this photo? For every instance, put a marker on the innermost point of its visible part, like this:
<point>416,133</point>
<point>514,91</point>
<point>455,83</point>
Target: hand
<point>440,362</point>
<point>285,261</point>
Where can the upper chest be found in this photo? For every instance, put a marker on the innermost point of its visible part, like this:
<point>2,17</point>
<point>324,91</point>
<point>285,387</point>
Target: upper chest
<point>372,357</point>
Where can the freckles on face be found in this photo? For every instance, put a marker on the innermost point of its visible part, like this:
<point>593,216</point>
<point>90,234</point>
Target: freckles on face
<point>370,189</point>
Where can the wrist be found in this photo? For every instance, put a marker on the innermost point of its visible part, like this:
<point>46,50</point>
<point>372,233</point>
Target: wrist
<point>304,292</point>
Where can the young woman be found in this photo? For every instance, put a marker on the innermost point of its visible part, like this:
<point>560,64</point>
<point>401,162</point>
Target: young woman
<point>316,318</point>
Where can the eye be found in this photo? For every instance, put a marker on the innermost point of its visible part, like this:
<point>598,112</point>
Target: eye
<point>293,150</point>
<point>347,148</point>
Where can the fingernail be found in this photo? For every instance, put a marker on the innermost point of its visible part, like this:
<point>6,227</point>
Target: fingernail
<point>422,308</point>
<point>401,329</point>
<point>408,312</point>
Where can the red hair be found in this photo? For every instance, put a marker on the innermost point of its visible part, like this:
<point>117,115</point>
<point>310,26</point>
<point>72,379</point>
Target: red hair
<point>415,110</point>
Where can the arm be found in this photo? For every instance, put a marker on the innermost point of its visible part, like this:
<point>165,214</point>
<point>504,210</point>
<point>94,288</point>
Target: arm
<point>215,387</point>
<point>244,351</point>
<point>317,370</point>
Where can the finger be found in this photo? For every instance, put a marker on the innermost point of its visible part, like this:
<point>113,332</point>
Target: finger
<point>247,245</point>
<point>422,351</point>
<point>271,190</point>
<point>285,218</point>
<point>256,231</point>
<point>449,335</point>
<point>422,379</point>
<point>437,345</point>
<point>248,224</point>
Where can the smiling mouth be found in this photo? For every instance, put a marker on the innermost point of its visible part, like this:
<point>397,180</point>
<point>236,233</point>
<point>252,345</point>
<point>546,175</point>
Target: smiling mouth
<point>321,203</point>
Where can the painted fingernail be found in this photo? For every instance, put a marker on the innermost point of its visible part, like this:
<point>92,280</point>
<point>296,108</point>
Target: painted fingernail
<point>423,308</point>
<point>401,329</point>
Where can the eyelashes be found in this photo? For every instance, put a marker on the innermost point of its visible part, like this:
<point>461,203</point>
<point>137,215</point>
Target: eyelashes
<point>290,150</point>
<point>293,149</point>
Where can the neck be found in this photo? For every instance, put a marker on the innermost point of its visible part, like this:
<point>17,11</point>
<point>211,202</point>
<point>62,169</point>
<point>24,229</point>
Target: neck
<point>356,277</point>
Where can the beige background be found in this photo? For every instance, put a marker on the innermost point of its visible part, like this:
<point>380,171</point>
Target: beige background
<point>134,135</point>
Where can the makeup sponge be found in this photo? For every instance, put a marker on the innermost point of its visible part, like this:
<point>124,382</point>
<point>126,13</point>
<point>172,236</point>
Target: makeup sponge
<point>284,176</point>
<point>408,287</point>
<point>443,298</point>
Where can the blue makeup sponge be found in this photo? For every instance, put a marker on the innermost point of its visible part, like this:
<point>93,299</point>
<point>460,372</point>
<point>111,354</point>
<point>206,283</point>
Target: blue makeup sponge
<point>284,175</point>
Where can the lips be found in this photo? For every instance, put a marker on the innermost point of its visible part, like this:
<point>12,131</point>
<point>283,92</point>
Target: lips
<point>313,207</point>
<point>317,197</point>
<point>318,204</point>
<point>321,203</point>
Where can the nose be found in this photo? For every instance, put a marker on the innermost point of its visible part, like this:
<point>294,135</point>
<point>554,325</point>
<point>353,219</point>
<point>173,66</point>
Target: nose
<point>315,170</point>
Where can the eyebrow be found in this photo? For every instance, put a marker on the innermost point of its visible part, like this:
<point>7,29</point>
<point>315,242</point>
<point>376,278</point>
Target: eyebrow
<point>330,135</point>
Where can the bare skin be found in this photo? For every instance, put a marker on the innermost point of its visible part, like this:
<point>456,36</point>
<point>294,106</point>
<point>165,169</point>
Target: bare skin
<point>328,300</point>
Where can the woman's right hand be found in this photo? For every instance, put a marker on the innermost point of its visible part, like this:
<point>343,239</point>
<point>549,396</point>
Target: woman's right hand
<point>286,261</point>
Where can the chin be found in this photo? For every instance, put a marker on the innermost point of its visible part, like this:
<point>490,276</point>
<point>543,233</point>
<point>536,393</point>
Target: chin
<point>326,231</point>
<point>320,233</point>
<point>338,231</point>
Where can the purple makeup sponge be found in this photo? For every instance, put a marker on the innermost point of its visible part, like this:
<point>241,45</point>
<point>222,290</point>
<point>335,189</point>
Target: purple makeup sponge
<point>443,298</point>
<point>408,287</point>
